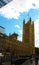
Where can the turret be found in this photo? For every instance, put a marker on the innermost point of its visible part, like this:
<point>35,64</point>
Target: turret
<point>15,36</point>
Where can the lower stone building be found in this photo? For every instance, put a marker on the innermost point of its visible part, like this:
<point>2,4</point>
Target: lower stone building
<point>12,46</point>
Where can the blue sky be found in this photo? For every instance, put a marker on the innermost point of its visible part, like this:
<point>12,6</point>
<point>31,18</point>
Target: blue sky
<point>12,15</point>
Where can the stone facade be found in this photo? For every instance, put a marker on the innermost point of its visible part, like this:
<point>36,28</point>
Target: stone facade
<point>12,46</point>
<point>28,35</point>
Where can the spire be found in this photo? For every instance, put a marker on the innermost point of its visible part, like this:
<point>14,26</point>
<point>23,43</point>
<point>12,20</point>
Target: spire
<point>23,21</point>
<point>30,19</point>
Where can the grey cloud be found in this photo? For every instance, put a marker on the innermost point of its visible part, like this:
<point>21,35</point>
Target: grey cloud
<point>34,5</point>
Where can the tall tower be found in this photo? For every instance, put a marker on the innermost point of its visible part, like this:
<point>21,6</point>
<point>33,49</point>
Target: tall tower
<point>28,35</point>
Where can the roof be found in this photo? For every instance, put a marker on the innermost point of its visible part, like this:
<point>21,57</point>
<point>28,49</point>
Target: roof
<point>15,34</point>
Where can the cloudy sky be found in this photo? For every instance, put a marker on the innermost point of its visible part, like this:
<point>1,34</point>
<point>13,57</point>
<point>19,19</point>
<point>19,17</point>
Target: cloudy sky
<point>12,15</point>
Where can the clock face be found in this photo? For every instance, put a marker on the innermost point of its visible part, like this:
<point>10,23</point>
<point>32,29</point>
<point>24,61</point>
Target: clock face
<point>4,2</point>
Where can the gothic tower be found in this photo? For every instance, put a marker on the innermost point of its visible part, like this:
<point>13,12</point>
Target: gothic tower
<point>28,35</point>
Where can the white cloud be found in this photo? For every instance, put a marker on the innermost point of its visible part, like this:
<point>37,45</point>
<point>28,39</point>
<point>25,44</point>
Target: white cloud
<point>14,8</point>
<point>20,31</point>
<point>17,26</point>
<point>36,25</point>
<point>20,38</point>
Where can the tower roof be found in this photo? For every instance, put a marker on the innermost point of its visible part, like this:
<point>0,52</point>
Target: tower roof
<point>15,34</point>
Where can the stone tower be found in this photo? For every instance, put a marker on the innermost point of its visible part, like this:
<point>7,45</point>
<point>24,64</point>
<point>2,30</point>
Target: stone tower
<point>28,35</point>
